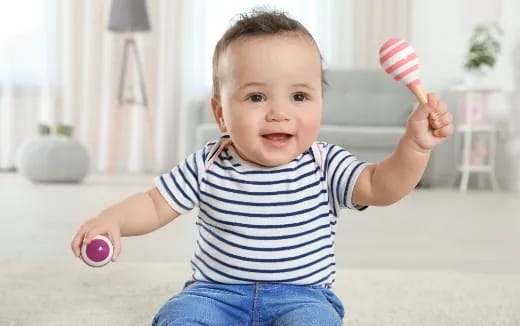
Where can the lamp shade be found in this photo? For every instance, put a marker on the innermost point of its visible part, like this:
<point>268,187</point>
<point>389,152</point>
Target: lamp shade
<point>128,16</point>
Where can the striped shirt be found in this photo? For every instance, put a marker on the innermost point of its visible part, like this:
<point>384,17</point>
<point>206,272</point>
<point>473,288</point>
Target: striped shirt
<point>263,224</point>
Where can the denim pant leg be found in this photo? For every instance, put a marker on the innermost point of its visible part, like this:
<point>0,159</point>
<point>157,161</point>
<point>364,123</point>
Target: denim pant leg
<point>292,305</point>
<point>208,304</point>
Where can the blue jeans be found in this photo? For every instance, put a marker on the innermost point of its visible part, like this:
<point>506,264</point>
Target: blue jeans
<point>261,304</point>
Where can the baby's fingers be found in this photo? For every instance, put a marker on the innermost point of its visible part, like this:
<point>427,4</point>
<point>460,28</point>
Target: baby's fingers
<point>77,241</point>
<point>90,234</point>
<point>115,238</point>
<point>444,132</point>
<point>441,120</point>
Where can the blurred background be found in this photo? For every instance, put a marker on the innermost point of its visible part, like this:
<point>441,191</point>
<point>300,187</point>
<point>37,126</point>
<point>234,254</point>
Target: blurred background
<point>97,97</point>
<point>61,67</point>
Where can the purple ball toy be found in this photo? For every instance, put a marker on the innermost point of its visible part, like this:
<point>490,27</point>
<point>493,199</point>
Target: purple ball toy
<point>98,252</point>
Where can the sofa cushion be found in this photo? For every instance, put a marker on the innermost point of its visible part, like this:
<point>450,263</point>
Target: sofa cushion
<point>365,98</point>
<point>367,137</point>
<point>362,108</point>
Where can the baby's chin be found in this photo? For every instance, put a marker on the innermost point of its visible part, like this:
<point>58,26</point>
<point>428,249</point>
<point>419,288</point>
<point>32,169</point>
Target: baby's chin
<point>269,158</point>
<point>275,161</point>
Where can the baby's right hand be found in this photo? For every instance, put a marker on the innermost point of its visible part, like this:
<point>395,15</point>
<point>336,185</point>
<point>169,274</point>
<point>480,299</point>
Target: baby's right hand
<point>100,225</point>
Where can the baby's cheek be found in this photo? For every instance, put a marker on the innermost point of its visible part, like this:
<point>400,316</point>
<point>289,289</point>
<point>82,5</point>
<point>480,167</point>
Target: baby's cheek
<point>311,128</point>
<point>242,129</point>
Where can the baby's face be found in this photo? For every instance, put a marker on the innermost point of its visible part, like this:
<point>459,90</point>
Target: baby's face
<point>270,97</point>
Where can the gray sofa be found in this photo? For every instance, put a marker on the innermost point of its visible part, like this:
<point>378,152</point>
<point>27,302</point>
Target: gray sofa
<point>364,111</point>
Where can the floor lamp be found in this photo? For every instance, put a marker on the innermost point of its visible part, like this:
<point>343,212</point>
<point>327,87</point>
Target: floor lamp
<point>129,16</point>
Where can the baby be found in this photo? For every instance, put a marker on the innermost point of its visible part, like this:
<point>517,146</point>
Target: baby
<point>268,193</point>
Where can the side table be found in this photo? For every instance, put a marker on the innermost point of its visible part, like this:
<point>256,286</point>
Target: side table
<point>476,122</point>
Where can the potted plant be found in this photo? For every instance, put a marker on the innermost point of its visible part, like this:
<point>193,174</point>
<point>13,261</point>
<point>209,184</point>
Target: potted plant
<point>61,129</point>
<point>484,48</point>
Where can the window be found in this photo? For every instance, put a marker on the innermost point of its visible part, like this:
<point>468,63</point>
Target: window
<point>24,41</point>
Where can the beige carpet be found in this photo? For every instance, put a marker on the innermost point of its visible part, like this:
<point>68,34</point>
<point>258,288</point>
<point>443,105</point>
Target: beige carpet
<point>124,293</point>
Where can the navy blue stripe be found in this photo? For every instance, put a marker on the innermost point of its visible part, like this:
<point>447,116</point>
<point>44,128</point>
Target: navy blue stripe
<point>264,182</point>
<point>281,237</point>
<point>324,278</point>
<point>266,226</point>
<point>171,194</point>
<point>337,186</point>
<point>328,158</point>
<point>298,158</point>
<point>262,260</point>
<point>265,271</point>
<point>209,145</point>
<point>224,156</point>
<point>204,153</point>
<point>338,189</point>
<point>349,180</point>
<point>303,211</point>
<point>263,193</point>
<point>197,171</point>
<point>211,153</point>
<point>203,274</point>
<point>244,203</point>
<point>332,190</point>
<point>180,188</point>
<point>195,193</point>
<point>190,169</point>
<point>264,171</point>
<point>231,243</point>
<point>259,280</point>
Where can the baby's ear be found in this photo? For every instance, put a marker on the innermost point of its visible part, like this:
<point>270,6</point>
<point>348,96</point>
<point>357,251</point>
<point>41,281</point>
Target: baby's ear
<point>216,108</point>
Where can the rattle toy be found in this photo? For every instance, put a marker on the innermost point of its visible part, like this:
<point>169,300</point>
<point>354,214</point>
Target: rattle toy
<point>398,59</point>
<point>98,252</point>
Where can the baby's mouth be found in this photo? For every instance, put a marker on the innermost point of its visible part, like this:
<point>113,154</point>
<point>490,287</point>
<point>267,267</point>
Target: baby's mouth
<point>277,139</point>
<point>277,136</point>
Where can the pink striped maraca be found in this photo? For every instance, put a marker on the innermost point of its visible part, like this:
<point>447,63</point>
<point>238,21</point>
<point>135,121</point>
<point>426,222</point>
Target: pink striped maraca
<point>399,60</point>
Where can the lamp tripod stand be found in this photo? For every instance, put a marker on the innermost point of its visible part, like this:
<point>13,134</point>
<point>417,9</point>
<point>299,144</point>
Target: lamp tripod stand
<point>130,45</point>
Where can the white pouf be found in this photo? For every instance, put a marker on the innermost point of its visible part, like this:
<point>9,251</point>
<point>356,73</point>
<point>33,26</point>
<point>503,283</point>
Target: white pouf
<point>53,159</point>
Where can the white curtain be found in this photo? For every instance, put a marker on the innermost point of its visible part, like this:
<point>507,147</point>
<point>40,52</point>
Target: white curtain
<point>170,67</point>
<point>376,21</point>
<point>83,59</point>
<point>82,62</point>
<point>22,54</point>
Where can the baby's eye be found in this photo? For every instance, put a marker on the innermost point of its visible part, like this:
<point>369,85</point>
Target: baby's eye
<point>299,97</point>
<point>256,98</point>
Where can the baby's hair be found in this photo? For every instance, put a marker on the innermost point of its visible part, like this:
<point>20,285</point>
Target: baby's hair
<point>259,21</point>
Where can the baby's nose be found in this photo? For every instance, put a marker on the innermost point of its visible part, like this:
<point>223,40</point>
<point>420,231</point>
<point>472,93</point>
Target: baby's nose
<point>277,113</point>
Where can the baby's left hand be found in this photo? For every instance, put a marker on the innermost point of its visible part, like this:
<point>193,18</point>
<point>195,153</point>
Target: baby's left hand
<point>430,124</point>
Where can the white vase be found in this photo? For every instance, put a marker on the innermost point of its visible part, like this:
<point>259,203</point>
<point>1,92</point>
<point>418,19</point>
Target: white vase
<point>476,78</point>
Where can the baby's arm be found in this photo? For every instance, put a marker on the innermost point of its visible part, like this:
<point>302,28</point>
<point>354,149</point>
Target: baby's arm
<point>139,214</point>
<point>387,182</point>
<point>390,180</point>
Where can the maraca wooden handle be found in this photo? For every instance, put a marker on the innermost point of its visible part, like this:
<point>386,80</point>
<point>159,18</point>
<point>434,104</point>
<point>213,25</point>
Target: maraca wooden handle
<point>419,94</point>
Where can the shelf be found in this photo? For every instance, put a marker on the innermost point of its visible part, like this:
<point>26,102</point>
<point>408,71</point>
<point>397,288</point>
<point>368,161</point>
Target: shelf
<point>476,127</point>
<point>476,168</point>
<point>490,88</point>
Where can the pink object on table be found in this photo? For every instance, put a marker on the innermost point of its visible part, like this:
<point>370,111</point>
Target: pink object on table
<point>399,59</point>
<point>98,252</point>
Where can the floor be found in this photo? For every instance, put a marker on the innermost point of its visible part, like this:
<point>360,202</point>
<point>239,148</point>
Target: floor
<point>430,229</point>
